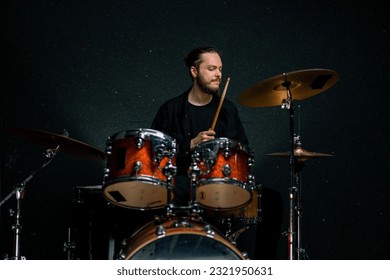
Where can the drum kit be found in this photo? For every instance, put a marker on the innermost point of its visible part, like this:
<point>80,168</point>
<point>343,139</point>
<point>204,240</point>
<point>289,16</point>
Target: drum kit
<point>140,175</point>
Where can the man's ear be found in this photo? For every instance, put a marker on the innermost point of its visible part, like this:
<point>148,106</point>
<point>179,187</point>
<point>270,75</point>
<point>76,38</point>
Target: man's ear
<point>194,71</point>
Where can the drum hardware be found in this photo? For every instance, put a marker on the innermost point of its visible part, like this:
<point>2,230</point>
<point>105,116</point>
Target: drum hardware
<point>169,171</point>
<point>19,191</point>
<point>301,155</point>
<point>194,173</point>
<point>232,237</point>
<point>192,209</point>
<point>69,245</point>
<point>54,143</point>
<point>282,90</point>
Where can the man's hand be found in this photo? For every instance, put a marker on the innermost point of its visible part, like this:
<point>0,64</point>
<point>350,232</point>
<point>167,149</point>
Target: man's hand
<point>202,136</point>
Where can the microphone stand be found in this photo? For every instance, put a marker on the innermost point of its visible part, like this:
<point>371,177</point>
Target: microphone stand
<point>19,193</point>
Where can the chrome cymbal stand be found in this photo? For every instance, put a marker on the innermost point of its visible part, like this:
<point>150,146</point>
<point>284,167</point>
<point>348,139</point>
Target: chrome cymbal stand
<point>293,189</point>
<point>300,251</point>
<point>19,193</point>
<point>299,164</point>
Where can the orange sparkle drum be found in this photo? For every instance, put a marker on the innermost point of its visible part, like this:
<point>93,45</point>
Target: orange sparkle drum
<point>179,238</point>
<point>137,162</point>
<point>225,181</point>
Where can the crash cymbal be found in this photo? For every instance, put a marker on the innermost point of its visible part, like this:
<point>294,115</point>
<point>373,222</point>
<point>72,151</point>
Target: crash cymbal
<point>60,141</point>
<point>302,84</point>
<point>300,154</point>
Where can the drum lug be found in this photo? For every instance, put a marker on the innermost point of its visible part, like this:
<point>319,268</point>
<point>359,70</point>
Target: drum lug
<point>209,158</point>
<point>245,255</point>
<point>109,145</point>
<point>106,171</point>
<point>137,166</point>
<point>226,152</point>
<point>159,153</point>
<point>226,170</point>
<point>140,142</point>
<point>173,148</point>
<point>209,231</point>
<point>182,223</point>
<point>251,180</point>
<point>108,150</point>
<point>251,161</point>
<point>170,169</point>
<point>160,231</point>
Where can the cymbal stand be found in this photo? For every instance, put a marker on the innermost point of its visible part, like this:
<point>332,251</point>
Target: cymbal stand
<point>19,193</point>
<point>293,189</point>
<point>299,164</point>
<point>301,252</point>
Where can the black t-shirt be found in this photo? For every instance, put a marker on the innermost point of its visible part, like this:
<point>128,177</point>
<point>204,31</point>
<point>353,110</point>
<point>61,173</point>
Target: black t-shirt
<point>201,117</point>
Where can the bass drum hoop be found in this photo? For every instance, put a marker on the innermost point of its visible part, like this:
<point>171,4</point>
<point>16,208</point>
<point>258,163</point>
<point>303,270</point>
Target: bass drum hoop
<point>175,231</point>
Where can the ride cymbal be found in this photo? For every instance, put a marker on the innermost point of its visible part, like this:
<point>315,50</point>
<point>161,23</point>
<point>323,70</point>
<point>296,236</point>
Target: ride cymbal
<point>59,141</point>
<point>302,84</point>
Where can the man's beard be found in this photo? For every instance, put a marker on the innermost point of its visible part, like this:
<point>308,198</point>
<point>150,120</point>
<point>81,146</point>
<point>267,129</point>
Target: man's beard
<point>205,88</point>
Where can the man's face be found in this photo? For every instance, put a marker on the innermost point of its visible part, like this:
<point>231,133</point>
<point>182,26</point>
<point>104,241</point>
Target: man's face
<point>209,73</point>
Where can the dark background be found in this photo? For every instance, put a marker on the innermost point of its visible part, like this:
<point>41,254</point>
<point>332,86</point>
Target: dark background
<point>98,67</point>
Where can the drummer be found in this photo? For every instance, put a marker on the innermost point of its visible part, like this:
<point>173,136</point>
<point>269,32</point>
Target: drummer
<point>189,116</point>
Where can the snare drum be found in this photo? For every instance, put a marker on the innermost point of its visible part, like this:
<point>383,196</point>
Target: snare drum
<point>136,160</point>
<point>181,238</point>
<point>224,181</point>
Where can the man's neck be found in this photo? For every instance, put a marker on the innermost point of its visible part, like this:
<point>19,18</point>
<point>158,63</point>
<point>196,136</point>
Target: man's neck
<point>198,97</point>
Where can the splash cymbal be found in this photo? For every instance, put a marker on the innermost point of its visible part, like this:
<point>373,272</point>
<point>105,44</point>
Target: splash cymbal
<point>302,84</point>
<point>60,141</point>
<point>300,154</point>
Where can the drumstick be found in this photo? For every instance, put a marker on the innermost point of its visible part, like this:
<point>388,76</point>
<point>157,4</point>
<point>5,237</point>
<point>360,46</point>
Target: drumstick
<point>220,104</point>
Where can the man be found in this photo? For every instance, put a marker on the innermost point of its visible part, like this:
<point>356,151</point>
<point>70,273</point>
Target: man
<point>189,116</point>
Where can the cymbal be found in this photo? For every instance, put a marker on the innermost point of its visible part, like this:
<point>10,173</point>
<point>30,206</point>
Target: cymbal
<point>300,154</point>
<point>302,84</point>
<point>63,142</point>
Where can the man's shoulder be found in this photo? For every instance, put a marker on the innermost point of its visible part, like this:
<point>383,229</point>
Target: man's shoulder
<point>174,101</point>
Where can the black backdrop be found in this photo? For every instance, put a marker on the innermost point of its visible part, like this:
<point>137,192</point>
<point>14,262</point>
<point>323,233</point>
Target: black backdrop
<point>98,67</point>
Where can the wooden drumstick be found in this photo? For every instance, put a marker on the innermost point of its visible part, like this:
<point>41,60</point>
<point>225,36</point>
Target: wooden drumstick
<point>220,104</point>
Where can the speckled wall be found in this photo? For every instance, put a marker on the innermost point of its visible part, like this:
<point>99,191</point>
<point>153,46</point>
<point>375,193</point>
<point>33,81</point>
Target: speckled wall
<point>98,67</point>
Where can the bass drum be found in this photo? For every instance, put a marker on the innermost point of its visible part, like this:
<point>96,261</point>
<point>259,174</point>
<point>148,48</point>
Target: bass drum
<point>179,239</point>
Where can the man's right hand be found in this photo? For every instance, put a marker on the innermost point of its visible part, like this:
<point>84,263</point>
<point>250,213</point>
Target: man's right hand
<point>202,136</point>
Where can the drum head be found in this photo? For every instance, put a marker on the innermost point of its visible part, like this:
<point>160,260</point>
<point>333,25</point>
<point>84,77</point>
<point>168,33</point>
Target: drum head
<point>186,247</point>
<point>218,195</point>
<point>137,195</point>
